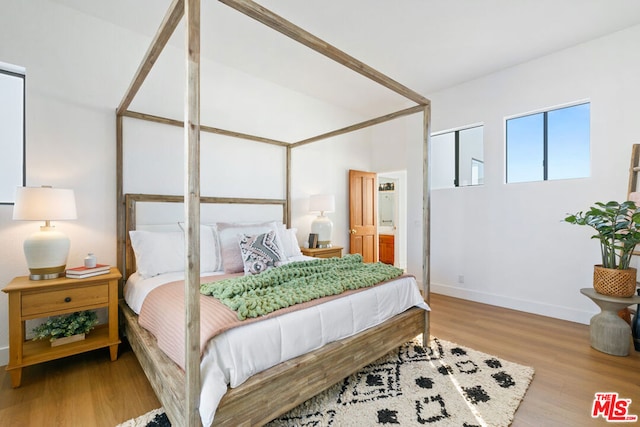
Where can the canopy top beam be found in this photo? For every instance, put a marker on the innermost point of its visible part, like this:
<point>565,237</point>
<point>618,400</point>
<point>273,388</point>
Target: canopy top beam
<point>276,22</point>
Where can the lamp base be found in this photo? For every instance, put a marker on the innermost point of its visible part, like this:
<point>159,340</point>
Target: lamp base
<point>323,227</point>
<point>47,273</point>
<point>46,253</point>
<point>45,276</point>
<point>324,244</point>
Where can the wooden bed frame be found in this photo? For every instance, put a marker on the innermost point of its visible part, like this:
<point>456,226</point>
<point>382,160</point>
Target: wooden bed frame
<point>273,392</point>
<point>293,382</point>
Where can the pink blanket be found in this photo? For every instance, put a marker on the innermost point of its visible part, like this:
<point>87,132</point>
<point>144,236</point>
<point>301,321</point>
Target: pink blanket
<point>162,314</point>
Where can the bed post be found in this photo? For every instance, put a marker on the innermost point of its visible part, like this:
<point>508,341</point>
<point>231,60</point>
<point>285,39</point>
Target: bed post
<point>120,208</point>
<point>167,27</point>
<point>192,213</point>
<point>287,207</point>
<point>426,220</point>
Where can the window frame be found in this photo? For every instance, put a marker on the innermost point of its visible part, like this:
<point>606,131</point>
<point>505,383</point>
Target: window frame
<point>545,139</point>
<point>456,156</point>
<point>19,72</point>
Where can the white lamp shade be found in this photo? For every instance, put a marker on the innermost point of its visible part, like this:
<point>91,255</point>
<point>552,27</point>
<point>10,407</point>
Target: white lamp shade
<point>322,203</point>
<point>44,204</point>
<point>46,251</point>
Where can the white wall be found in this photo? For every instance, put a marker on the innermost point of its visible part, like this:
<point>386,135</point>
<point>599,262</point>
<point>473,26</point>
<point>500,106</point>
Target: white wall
<point>323,167</point>
<point>397,146</point>
<point>508,241</point>
<point>78,68</point>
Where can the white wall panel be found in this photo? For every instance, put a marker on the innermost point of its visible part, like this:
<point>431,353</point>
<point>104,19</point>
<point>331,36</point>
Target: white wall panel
<point>508,240</point>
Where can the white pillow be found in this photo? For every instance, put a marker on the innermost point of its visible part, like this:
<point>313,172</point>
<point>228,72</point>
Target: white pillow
<point>261,252</point>
<point>163,252</point>
<point>230,248</point>
<point>289,241</point>
<point>217,253</point>
<point>210,256</point>
<point>157,252</point>
<point>209,253</point>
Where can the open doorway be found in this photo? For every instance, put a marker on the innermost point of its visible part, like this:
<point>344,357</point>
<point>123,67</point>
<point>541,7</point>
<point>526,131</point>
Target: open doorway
<point>392,218</point>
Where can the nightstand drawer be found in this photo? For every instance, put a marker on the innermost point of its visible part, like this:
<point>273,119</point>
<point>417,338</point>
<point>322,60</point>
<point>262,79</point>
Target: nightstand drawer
<point>39,304</point>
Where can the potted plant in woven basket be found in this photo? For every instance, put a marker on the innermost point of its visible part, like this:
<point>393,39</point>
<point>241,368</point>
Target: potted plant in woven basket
<point>617,228</point>
<point>67,328</point>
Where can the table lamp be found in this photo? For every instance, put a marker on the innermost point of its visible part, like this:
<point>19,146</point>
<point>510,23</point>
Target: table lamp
<point>46,251</point>
<point>322,225</point>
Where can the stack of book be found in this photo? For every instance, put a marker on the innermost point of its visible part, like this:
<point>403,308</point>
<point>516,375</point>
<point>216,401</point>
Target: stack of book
<point>82,272</point>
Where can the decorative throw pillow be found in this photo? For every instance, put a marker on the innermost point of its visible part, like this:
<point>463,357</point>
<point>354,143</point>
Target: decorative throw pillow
<point>260,252</point>
<point>228,238</point>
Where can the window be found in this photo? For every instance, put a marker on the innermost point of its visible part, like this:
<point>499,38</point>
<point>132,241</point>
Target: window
<point>457,158</point>
<point>549,145</point>
<point>12,140</point>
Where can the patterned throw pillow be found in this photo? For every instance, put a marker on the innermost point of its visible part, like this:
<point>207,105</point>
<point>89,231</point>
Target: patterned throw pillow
<point>260,252</point>
<point>228,235</point>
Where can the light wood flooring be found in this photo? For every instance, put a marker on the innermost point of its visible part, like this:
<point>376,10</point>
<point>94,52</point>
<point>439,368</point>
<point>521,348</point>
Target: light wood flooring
<point>89,390</point>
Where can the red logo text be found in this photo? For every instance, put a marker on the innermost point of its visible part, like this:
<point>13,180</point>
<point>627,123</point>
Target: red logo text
<point>612,408</point>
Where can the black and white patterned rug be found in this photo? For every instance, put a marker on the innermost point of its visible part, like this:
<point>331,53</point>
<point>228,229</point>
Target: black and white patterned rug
<point>446,385</point>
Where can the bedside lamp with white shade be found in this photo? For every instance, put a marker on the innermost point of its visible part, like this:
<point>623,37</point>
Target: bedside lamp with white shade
<point>46,251</point>
<point>322,225</point>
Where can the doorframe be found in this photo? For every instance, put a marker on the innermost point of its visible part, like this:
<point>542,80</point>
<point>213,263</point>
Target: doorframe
<point>400,233</point>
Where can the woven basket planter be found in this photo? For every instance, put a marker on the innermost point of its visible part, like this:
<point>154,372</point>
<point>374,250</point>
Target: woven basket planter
<point>614,282</point>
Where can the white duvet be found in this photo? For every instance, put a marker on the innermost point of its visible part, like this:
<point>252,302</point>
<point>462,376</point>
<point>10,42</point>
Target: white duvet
<point>233,356</point>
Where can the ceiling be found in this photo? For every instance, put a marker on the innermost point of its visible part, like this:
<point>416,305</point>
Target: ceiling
<point>427,45</point>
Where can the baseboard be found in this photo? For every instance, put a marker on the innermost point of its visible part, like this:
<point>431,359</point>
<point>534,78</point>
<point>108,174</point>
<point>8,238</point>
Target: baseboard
<point>557,312</point>
<point>4,356</point>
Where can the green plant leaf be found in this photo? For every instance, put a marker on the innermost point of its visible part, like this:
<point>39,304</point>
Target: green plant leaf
<point>617,228</point>
<point>66,325</point>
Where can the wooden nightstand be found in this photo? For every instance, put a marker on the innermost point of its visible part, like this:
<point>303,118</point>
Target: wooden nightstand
<point>335,251</point>
<point>29,299</point>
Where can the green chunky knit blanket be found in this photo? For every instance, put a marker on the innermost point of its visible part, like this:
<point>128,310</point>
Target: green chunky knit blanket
<point>297,282</point>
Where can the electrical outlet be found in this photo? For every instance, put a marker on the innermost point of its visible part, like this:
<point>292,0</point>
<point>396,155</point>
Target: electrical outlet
<point>461,279</point>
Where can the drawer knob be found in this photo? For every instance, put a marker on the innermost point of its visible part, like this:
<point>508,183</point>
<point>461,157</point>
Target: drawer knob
<point>67,299</point>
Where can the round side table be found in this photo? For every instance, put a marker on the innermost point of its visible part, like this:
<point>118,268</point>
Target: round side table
<point>609,333</point>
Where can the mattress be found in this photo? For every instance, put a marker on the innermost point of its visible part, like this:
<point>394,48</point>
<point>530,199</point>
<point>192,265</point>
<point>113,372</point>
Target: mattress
<point>232,357</point>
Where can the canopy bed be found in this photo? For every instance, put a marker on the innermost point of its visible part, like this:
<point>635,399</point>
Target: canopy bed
<point>293,380</point>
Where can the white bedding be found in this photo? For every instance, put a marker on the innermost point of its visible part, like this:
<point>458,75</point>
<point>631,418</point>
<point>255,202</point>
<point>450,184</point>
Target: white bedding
<point>235,355</point>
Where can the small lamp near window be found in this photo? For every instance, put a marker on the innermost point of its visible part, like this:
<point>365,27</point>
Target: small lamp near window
<point>322,225</point>
<point>46,251</point>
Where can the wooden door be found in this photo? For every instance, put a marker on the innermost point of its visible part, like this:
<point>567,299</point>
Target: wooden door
<point>363,215</point>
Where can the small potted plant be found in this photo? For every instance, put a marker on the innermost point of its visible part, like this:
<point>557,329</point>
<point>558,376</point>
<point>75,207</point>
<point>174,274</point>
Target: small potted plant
<point>66,328</point>
<point>617,228</point>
